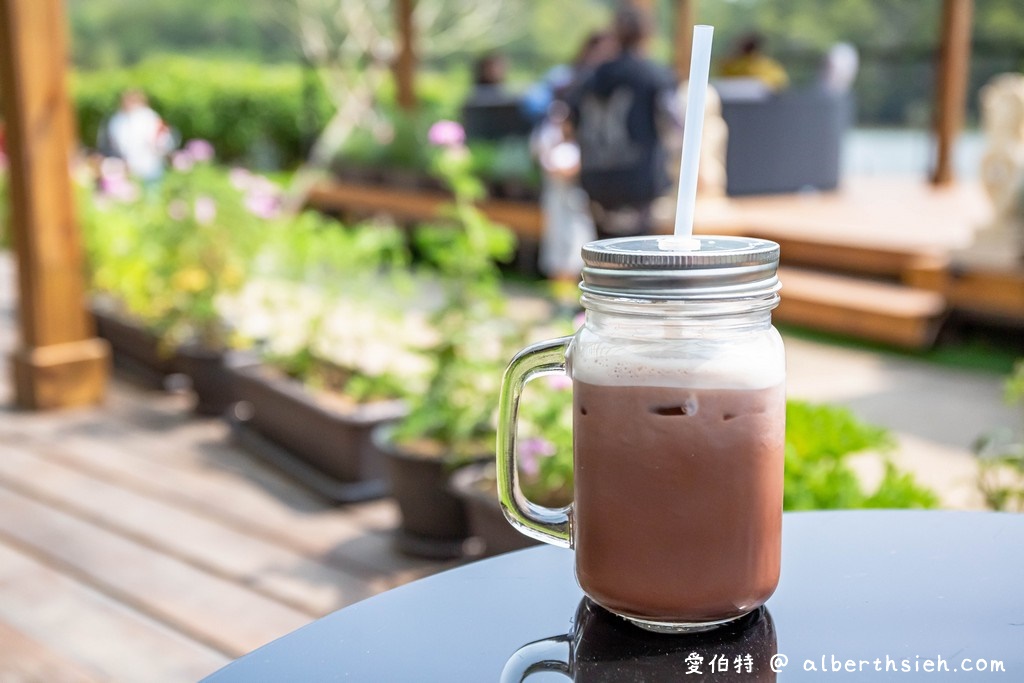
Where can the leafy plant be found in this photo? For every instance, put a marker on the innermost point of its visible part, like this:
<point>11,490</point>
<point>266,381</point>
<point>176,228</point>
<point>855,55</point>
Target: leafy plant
<point>819,438</point>
<point>454,415</point>
<point>1001,456</point>
<point>545,441</point>
<point>309,268</point>
<point>167,254</point>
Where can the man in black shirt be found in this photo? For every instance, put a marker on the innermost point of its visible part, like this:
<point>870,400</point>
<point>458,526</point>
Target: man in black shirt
<point>619,112</point>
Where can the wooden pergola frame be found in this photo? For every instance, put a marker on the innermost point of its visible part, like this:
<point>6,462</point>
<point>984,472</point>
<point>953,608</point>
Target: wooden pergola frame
<point>59,361</point>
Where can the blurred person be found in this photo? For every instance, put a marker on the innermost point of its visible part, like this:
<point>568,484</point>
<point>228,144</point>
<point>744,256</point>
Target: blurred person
<point>137,135</point>
<point>567,222</point>
<point>489,74</point>
<point>839,68</point>
<point>560,80</point>
<point>748,60</point>
<point>564,205</point>
<point>619,113</point>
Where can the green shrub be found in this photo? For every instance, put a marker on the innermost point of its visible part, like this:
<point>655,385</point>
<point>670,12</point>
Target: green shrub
<point>819,439</point>
<point>165,254</point>
<point>1001,456</point>
<point>263,114</point>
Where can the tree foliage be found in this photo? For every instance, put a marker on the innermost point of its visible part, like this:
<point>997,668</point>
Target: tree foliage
<point>897,40</point>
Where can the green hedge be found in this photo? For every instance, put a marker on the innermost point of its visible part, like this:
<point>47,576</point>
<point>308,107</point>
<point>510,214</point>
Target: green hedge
<point>264,115</point>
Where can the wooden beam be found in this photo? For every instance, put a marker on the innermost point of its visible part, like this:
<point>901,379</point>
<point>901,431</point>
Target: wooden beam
<point>684,17</point>
<point>405,63</point>
<point>60,362</point>
<point>524,218</point>
<point>951,84</point>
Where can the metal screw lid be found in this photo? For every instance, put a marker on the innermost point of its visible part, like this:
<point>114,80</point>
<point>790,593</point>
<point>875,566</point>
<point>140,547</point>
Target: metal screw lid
<point>653,267</point>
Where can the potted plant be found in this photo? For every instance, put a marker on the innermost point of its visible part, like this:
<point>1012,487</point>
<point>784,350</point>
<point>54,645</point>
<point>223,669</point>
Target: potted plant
<point>166,253</point>
<point>329,370</point>
<point>205,241</point>
<point>450,423</point>
<point>122,293</point>
<point>545,475</point>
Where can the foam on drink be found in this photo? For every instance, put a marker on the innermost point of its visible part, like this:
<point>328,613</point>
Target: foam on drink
<point>698,364</point>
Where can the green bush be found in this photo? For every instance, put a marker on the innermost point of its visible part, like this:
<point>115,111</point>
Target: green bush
<point>166,254</point>
<point>265,115</point>
<point>1001,455</point>
<point>819,439</point>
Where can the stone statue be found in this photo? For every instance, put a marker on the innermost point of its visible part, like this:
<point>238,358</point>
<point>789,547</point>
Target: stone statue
<point>713,145</point>
<point>1002,169</point>
<point>710,169</point>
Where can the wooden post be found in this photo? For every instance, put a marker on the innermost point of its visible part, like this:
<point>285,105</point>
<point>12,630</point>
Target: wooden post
<point>405,63</point>
<point>951,84</point>
<point>59,362</point>
<point>685,15</point>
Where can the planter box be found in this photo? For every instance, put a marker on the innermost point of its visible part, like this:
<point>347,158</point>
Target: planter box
<point>210,373</point>
<point>325,446</point>
<point>434,522</point>
<point>135,348</point>
<point>474,484</point>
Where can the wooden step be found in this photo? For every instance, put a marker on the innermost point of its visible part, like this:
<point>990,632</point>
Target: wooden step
<point>840,253</point>
<point>875,311</point>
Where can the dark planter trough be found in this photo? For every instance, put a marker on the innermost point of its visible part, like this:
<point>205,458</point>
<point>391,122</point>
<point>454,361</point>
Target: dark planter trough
<point>474,484</point>
<point>434,523</point>
<point>136,349</point>
<point>323,445</point>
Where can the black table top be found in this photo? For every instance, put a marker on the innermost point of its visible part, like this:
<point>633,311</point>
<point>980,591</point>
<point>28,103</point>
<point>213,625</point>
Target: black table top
<point>882,595</point>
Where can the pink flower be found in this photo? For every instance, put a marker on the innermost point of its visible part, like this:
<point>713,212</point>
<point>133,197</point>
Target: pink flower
<point>531,451</point>
<point>559,382</point>
<point>205,210</point>
<point>263,196</point>
<point>240,178</point>
<point>182,161</point>
<point>114,182</point>
<point>446,133</point>
<point>265,206</point>
<point>200,150</point>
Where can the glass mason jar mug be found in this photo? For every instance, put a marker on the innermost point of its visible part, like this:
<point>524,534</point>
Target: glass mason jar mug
<point>678,431</point>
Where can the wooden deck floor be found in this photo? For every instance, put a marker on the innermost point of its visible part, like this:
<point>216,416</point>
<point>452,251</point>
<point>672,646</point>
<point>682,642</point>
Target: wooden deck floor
<point>137,544</point>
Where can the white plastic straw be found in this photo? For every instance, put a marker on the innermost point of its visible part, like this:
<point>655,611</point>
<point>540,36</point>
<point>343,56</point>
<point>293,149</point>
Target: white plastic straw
<point>697,90</point>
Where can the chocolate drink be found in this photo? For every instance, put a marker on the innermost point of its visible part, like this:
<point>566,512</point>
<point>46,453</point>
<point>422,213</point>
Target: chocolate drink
<point>678,498</point>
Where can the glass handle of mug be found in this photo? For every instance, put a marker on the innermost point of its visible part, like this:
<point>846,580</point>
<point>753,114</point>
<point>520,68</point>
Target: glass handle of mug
<point>541,656</point>
<point>551,525</point>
